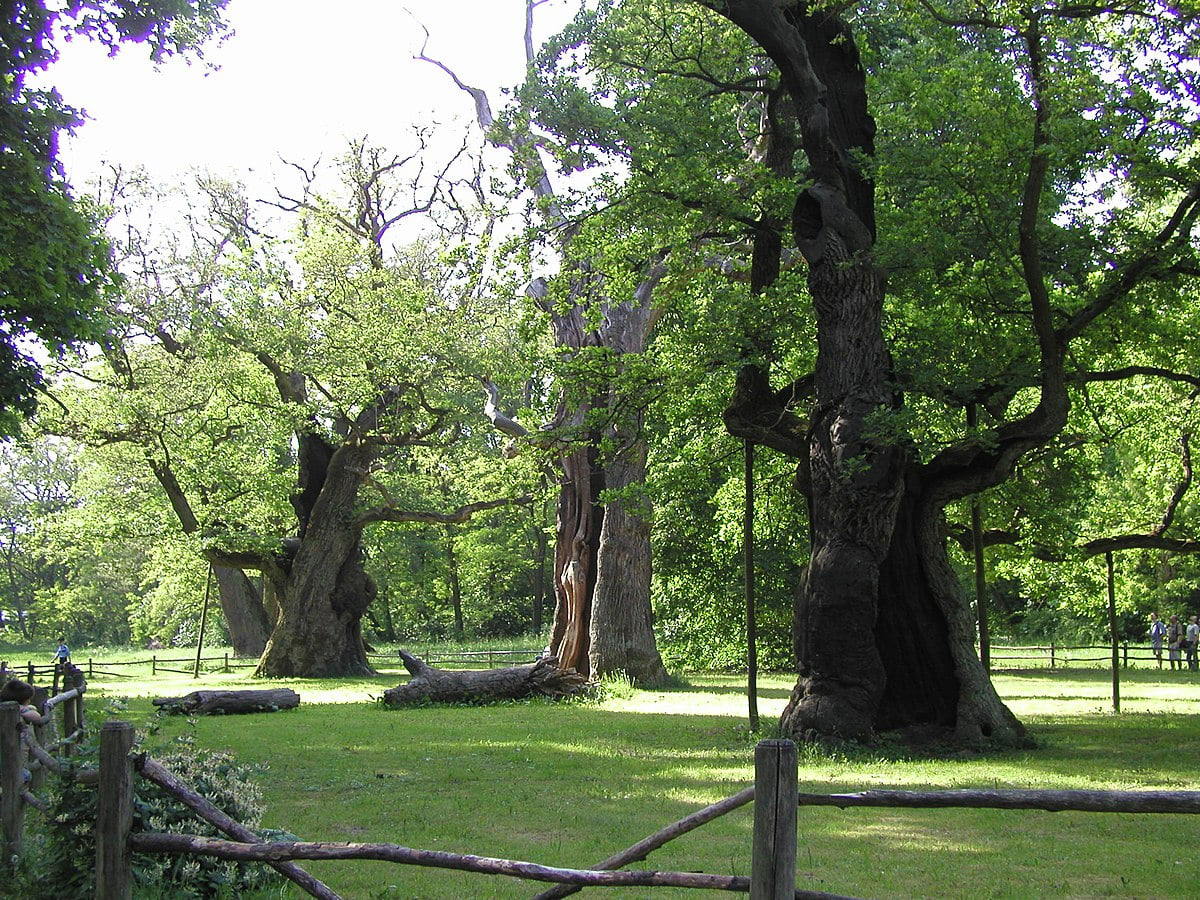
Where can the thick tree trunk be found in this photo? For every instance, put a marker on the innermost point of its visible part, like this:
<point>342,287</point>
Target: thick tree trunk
<point>245,616</point>
<point>622,627</point>
<point>856,488</point>
<point>542,678</point>
<point>325,591</point>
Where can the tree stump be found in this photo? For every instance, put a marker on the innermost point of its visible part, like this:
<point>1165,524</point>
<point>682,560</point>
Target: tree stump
<point>208,702</point>
<point>431,685</point>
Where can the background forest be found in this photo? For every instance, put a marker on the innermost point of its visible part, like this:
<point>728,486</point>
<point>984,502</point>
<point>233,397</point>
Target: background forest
<point>410,300</point>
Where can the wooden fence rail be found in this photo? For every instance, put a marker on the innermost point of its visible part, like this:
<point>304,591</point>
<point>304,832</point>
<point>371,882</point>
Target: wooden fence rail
<point>773,854</point>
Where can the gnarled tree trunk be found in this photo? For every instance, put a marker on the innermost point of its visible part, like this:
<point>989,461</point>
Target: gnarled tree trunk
<point>324,589</point>
<point>579,521</point>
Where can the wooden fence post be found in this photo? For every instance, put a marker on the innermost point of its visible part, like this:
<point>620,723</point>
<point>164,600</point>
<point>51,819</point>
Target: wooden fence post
<point>1052,654</point>
<point>153,665</point>
<point>114,813</point>
<point>29,669</point>
<point>11,783</point>
<point>89,667</point>
<point>773,860</point>
<point>70,725</point>
<point>37,776</point>
<point>226,663</point>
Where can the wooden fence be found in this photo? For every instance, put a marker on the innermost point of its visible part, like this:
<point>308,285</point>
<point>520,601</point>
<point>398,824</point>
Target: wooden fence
<point>1066,656</point>
<point>94,668</point>
<point>773,848</point>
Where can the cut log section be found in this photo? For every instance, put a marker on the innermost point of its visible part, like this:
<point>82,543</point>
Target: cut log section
<point>209,702</point>
<point>431,685</point>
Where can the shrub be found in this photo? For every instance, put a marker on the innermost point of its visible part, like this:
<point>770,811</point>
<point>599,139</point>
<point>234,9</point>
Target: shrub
<point>60,861</point>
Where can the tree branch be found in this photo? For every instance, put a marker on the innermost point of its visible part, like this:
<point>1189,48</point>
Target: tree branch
<point>429,517</point>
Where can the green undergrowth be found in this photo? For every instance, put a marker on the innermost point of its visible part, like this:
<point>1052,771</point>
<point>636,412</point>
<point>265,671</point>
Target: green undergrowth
<point>567,784</point>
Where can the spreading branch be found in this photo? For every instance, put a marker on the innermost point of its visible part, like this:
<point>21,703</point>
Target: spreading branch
<point>430,517</point>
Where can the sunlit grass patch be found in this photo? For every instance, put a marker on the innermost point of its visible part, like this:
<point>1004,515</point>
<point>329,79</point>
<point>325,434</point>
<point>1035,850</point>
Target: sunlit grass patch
<point>570,783</point>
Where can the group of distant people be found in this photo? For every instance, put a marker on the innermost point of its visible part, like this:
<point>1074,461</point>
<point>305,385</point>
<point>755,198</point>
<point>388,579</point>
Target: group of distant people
<point>1181,641</point>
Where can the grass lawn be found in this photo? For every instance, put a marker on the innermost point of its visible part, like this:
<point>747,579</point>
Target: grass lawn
<point>567,784</point>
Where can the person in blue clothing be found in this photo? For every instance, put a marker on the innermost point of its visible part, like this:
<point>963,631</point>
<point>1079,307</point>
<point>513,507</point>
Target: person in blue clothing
<point>1158,631</point>
<point>62,654</point>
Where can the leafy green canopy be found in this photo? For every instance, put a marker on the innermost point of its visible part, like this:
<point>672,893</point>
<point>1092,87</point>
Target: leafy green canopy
<point>54,262</point>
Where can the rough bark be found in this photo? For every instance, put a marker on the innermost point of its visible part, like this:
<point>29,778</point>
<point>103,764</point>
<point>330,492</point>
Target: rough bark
<point>324,589</point>
<point>579,520</point>
<point>207,702</point>
<point>621,632</point>
<point>544,678</point>
<point>856,489</point>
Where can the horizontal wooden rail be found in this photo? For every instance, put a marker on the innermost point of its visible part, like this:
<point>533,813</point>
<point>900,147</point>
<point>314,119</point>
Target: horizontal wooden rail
<point>649,844</point>
<point>60,698</point>
<point>279,851</point>
<point>154,772</point>
<point>1187,802</point>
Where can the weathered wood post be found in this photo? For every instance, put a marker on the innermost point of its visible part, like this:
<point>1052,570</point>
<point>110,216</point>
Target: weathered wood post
<point>70,725</point>
<point>37,776</point>
<point>29,668</point>
<point>773,860</point>
<point>1052,654</point>
<point>226,663</point>
<point>114,813</point>
<point>11,784</point>
<point>153,665</point>
<point>89,667</point>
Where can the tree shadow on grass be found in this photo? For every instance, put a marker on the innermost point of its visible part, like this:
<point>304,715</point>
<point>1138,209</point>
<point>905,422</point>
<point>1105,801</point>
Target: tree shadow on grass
<point>569,784</point>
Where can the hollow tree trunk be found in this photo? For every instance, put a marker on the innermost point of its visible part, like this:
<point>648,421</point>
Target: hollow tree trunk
<point>579,520</point>
<point>325,591</point>
<point>622,628</point>
<point>245,616</point>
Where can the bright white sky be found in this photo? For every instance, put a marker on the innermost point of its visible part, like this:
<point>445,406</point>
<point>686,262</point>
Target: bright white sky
<point>296,79</point>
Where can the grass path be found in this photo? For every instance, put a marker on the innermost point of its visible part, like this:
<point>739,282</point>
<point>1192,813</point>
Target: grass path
<point>567,784</point>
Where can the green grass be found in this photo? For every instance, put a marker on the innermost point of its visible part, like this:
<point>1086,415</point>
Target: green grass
<point>567,784</point>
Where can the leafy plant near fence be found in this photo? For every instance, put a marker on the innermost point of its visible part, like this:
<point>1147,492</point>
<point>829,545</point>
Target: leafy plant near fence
<point>59,862</point>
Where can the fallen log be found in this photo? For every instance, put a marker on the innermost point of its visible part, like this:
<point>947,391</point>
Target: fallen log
<point>208,702</point>
<point>432,685</point>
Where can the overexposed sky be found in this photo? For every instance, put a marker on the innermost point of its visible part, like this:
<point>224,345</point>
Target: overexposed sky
<point>296,79</point>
